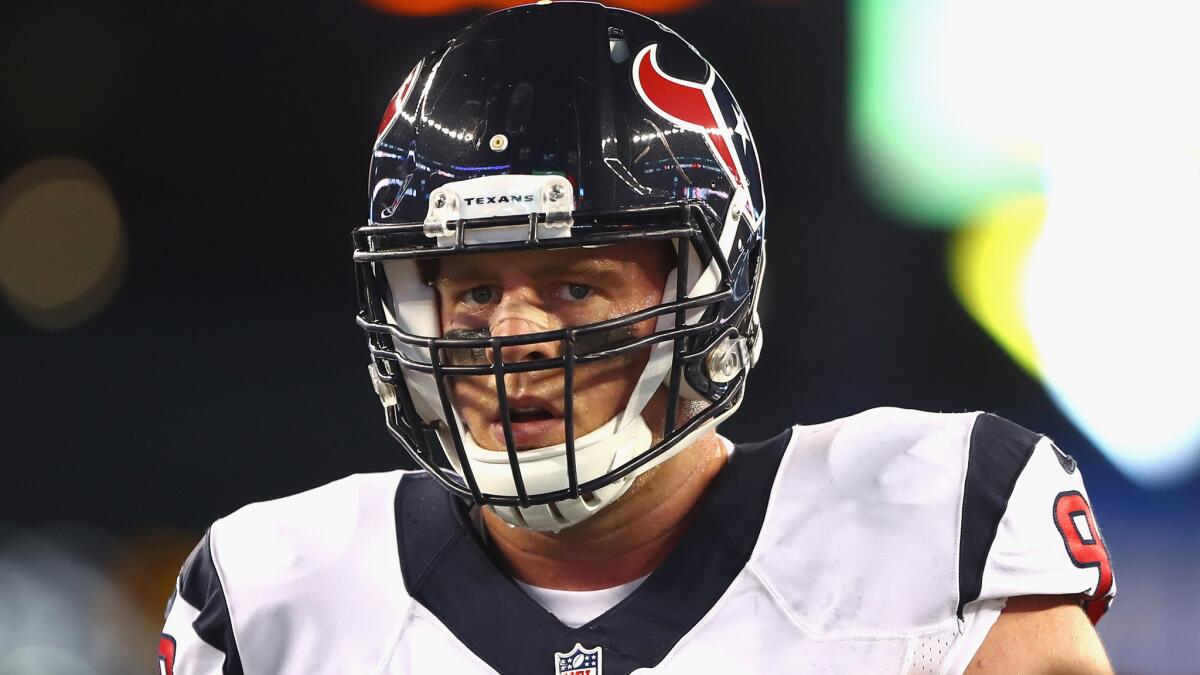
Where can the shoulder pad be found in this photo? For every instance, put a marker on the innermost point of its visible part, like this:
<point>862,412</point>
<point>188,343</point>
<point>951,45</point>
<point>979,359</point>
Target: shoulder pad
<point>294,567</point>
<point>861,533</point>
<point>890,521</point>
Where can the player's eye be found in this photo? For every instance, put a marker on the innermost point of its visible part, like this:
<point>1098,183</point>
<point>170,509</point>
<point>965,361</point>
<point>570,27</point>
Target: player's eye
<point>480,295</point>
<point>575,291</point>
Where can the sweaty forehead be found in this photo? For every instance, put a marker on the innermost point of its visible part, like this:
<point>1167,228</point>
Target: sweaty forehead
<point>651,258</point>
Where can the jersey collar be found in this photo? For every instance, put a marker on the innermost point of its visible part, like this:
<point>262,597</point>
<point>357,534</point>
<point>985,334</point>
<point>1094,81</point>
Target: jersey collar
<point>449,570</point>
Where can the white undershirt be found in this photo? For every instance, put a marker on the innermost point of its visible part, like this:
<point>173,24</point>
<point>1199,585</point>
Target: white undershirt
<point>575,608</point>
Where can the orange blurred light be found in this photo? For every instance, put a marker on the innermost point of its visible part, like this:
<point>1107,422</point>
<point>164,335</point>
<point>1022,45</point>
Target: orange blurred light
<point>145,567</point>
<point>439,7</point>
<point>62,243</point>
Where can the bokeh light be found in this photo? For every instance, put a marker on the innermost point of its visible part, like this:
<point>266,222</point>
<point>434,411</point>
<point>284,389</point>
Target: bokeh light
<point>1111,295</point>
<point>946,103</point>
<point>62,243</point>
<point>1071,169</point>
<point>987,266</point>
<point>61,613</point>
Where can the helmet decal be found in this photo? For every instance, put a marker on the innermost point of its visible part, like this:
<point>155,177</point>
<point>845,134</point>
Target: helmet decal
<point>704,107</point>
<point>397,103</point>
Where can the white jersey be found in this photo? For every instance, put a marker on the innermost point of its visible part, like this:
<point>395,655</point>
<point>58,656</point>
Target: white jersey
<point>886,542</point>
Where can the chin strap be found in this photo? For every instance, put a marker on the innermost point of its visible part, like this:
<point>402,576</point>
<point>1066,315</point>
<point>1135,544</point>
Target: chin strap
<point>545,469</point>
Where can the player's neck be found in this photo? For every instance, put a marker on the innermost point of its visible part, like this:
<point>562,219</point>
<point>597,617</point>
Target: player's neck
<point>625,541</point>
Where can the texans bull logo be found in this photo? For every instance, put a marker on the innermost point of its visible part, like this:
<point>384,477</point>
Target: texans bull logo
<point>707,108</point>
<point>397,103</point>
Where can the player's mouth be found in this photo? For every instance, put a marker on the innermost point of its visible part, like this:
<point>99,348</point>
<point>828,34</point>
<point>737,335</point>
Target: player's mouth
<point>534,425</point>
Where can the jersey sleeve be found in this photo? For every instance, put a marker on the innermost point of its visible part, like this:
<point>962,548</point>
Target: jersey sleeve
<point>1027,522</point>
<point>197,638</point>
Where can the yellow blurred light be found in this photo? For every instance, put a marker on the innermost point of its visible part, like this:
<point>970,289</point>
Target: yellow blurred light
<point>62,243</point>
<point>986,264</point>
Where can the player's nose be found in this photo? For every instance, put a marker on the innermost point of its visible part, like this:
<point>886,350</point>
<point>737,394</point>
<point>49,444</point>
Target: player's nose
<point>519,313</point>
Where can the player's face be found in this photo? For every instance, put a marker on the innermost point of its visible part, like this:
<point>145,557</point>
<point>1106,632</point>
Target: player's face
<point>523,292</point>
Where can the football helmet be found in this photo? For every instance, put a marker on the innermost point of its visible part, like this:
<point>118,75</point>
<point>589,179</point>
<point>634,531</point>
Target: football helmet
<point>565,124</point>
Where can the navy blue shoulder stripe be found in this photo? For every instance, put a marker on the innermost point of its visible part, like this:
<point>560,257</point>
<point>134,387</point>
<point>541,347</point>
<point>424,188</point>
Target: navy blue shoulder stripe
<point>200,587</point>
<point>998,454</point>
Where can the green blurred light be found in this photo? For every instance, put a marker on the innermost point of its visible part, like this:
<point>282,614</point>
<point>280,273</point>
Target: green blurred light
<point>922,150</point>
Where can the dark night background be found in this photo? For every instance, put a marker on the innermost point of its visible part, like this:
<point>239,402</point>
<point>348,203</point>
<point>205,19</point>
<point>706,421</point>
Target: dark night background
<point>228,369</point>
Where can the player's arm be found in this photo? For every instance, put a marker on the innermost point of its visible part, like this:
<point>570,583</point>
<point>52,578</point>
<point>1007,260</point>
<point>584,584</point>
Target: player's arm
<point>1041,634</point>
<point>197,638</point>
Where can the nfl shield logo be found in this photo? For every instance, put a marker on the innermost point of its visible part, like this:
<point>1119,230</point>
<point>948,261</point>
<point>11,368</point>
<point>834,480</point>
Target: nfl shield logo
<point>578,661</point>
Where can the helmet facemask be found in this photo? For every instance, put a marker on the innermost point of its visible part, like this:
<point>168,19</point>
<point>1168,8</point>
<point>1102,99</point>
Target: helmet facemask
<point>559,486</point>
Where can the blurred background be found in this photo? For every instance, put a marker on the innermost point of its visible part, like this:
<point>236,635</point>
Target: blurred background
<point>972,207</point>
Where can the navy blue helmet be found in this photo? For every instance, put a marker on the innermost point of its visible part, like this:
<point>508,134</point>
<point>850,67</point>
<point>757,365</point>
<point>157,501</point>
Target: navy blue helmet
<point>545,126</point>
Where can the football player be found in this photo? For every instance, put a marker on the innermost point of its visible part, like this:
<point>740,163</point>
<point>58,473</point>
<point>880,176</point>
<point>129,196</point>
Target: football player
<point>558,282</point>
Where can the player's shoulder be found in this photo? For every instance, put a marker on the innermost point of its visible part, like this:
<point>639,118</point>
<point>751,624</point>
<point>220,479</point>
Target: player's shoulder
<point>888,454</point>
<point>319,520</point>
<point>274,548</point>
<point>299,574</point>
<point>897,427</point>
<point>872,508</point>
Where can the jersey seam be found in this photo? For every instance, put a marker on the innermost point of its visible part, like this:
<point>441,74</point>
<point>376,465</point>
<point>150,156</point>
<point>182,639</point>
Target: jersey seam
<point>397,636</point>
<point>833,637</point>
<point>233,622</point>
<point>962,492</point>
<point>725,536</point>
<point>434,620</point>
<point>974,613</point>
<point>701,623</point>
<point>432,564</point>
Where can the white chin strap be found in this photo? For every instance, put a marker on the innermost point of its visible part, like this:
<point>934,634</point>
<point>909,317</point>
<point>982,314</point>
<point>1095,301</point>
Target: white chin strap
<point>545,470</point>
<point>615,442</point>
